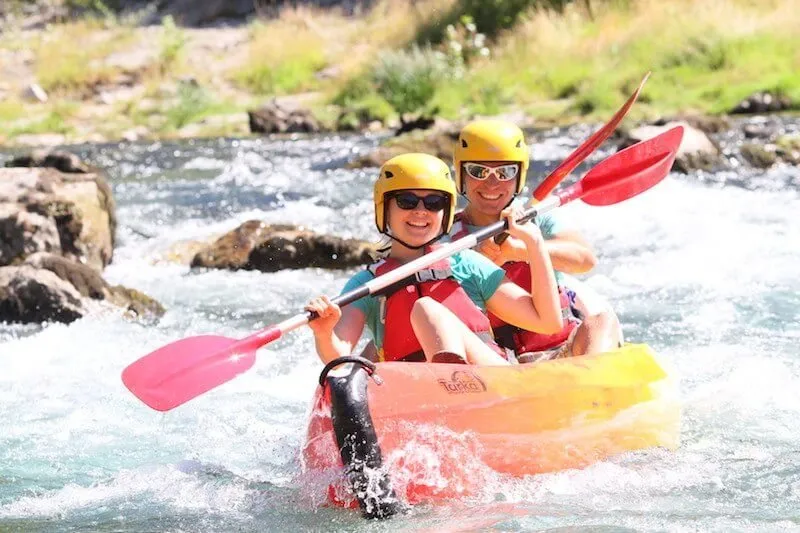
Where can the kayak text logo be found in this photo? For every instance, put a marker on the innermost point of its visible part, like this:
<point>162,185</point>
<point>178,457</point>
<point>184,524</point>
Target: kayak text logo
<point>462,382</point>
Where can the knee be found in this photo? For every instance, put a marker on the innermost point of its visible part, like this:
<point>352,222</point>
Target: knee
<point>602,320</point>
<point>424,308</point>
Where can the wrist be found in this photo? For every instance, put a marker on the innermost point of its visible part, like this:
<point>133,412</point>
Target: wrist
<point>531,238</point>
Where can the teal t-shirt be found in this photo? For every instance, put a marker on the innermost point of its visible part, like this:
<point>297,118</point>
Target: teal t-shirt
<point>478,276</point>
<point>549,224</point>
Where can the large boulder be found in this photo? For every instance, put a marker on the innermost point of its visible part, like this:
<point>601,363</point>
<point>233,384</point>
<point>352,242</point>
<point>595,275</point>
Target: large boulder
<point>65,194</point>
<point>256,245</point>
<point>48,287</point>
<point>696,152</point>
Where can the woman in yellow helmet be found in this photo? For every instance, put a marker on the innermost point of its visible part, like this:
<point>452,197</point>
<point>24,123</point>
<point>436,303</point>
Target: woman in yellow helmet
<point>438,314</point>
<point>491,161</point>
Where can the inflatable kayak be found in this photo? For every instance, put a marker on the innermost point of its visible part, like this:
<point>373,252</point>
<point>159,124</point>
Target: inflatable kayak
<point>388,434</point>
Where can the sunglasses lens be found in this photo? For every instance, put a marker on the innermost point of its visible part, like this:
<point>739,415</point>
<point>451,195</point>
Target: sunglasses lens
<point>407,200</point>
<point>432,202</point>
<point>507,172</point>
<point>435,202</point>
<point>476,171</point>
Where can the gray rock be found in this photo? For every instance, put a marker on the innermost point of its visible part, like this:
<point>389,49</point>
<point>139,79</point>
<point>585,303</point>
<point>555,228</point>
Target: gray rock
<point>759,155</point>
<point>30,295</point>
<point>60,160</point>
<point>80,205</point>
<point>23,233</point>
<point>81,283</point>
<point>256,245</point>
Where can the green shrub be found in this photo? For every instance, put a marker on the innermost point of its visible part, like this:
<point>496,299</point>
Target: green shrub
<point>354,90</point>
<point>408,79</point>
<point>193,102</point>
<point>284,77</point>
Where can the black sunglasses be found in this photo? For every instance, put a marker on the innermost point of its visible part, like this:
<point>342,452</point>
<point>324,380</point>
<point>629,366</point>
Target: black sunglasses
<point>432,202</point>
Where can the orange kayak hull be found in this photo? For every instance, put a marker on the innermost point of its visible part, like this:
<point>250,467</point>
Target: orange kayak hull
<point>435,431</point>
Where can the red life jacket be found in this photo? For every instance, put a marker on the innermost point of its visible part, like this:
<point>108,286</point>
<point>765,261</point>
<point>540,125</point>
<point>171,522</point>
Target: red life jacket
<point>396,301</point>
<point>517,339</point>
<point>520,340</point>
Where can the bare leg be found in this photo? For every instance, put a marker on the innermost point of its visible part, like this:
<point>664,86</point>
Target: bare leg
<point>439,330</point>
<point>597,333</point>
<point>600,330</point>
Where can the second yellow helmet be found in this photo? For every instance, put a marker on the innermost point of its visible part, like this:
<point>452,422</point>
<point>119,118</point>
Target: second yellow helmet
<point>491,140</point>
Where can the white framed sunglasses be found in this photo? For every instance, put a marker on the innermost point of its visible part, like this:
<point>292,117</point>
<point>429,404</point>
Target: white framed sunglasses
<point>480,172</point>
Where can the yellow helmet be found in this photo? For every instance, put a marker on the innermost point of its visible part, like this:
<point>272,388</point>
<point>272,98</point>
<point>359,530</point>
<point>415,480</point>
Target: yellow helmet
<point>491,140</point>
<point>414,171</point>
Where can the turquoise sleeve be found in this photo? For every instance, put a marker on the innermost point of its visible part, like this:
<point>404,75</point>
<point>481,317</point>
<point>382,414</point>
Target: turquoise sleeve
<point>479,277</point>
<point>551,224</point>
<point>368,304</point>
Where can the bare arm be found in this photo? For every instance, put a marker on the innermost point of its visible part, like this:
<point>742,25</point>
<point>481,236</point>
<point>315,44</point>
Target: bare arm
<point>541,309</point>
<point>570,253</point>
<point>337,330</point>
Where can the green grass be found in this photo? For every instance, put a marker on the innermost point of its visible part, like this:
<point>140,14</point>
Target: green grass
<point>53,122</point>
<point>11,110</point>
<point>282,78</point>
<point>282,58</point>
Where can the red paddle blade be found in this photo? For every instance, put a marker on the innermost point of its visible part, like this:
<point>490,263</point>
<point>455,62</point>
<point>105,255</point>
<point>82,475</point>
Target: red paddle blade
<point>584,150</point>
<point>630,171</point>
<point>185,369</point>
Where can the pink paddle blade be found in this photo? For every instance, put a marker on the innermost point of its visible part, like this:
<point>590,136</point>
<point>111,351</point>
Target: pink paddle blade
<point>628,172</point>
<point>584,150</point>
<point>176,373</point>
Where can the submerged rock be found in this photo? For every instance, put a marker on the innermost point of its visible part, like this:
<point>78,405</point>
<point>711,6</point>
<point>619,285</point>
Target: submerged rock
<point>759,155</point>
<point>256,245</point>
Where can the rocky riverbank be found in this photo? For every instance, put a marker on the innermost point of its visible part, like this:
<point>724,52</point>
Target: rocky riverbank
<point>146,71</point>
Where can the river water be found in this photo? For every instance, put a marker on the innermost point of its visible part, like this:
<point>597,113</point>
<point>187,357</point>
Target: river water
<point>704,268</point>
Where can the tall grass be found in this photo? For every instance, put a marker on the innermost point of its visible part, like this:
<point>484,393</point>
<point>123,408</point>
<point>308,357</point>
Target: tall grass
<point>69,57</point>
<point>287,53</point>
